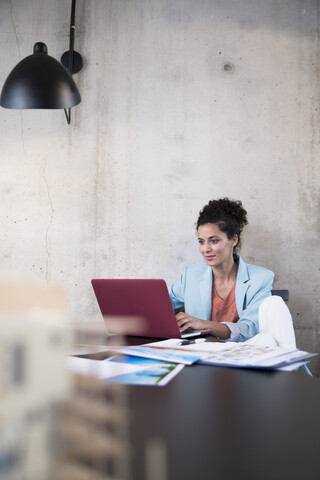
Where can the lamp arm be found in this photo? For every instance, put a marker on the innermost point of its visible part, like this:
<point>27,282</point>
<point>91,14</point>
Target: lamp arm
<point>71,49</point>
<point>71,40</point>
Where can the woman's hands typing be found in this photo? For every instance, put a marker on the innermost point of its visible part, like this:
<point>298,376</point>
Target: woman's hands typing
<point>186,321</point>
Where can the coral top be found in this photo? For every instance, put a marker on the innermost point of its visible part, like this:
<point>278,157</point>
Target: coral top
<point>224,310</point>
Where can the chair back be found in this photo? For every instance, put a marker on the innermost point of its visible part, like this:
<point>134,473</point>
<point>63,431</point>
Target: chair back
<point>284,294</point>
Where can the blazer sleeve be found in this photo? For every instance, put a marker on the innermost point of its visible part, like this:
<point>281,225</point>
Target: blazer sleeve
<point>177,292</point>
<point>248,322</point>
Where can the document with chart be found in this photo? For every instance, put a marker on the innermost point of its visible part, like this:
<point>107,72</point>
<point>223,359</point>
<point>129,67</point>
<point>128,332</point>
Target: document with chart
<point>256,356</point>
<point>233,354</point>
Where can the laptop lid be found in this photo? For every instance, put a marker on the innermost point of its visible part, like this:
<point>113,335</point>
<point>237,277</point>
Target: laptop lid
<point>140,307</point>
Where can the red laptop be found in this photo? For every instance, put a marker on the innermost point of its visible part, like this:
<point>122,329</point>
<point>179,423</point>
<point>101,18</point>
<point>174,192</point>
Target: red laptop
<point>140,307</point>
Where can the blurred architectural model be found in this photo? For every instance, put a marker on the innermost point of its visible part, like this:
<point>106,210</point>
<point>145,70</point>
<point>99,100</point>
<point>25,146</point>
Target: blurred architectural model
<point>53,426</point>
<point>33,377</point>
<point>93,432</point>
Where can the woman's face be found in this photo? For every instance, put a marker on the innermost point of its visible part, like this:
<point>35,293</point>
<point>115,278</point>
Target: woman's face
<point>214,245</point>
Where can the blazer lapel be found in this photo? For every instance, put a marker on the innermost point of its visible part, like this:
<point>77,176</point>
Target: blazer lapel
<point>241,286</point>
<point>205,286</point>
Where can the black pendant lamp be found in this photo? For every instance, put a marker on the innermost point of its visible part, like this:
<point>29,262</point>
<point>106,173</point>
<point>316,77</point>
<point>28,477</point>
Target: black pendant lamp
<point>41,82</point>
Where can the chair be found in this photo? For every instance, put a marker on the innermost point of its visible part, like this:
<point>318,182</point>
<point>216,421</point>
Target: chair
<point>284,294</point>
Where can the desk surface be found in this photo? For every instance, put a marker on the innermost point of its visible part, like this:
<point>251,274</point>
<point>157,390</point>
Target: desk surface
<point>230,424</point>
<point>227,424</point>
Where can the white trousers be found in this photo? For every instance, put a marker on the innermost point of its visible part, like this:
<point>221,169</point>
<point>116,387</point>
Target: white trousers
<point>276,327</point>
<point>275,324</point>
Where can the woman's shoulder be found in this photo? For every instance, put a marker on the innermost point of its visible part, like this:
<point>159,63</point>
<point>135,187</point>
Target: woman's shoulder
<point>255,270</point>
<point>198,269</point>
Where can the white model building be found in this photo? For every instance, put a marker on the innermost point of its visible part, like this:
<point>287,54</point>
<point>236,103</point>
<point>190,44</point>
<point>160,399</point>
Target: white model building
<point>53,426</point>
<point>33,377</point>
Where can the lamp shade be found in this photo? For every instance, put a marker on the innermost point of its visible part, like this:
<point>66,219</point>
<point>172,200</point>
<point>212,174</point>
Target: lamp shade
<point>39,81</point>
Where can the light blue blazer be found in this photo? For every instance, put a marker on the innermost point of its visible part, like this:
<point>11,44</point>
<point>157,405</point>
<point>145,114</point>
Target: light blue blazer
<point>193,292</point>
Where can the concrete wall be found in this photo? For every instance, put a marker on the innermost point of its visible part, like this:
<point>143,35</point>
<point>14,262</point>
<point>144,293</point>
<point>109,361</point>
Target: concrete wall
<point>182,101</point>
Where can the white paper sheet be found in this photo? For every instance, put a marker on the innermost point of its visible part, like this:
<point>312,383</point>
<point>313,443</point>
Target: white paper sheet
<point>87,349</point>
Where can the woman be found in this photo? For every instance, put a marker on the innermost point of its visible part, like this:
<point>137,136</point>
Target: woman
<point>224,293</point>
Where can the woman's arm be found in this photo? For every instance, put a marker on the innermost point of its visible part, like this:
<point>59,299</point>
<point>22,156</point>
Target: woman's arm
<point>248,322</point>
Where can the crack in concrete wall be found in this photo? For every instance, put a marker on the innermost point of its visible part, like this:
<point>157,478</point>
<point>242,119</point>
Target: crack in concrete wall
<point>50,222</point>
<point>14,29</point>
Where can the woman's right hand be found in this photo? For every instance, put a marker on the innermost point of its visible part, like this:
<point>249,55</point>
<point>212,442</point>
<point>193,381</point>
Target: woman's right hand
<point>216,329</point>
<point>186,321</point>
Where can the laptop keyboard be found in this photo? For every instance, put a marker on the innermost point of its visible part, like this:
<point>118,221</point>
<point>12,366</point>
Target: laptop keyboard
<point>190,332</point>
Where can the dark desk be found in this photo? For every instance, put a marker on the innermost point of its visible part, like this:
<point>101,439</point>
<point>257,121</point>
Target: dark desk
<point>227,424</point>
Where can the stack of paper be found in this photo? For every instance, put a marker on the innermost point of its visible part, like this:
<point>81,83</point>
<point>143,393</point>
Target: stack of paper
<point>164,352</point>
<point>232,354</point>
<point>158,362</point>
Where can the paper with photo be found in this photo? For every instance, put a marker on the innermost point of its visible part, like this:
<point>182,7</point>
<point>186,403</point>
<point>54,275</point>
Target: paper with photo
<point>147,371</point>
<point>82,366</point>
<point>126,369</point>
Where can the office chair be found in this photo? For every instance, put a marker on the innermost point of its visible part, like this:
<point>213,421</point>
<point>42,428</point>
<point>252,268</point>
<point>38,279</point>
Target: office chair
<point>284,294</point>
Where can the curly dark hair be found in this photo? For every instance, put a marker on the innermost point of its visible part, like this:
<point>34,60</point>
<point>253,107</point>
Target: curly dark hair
<point>229,215</point>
